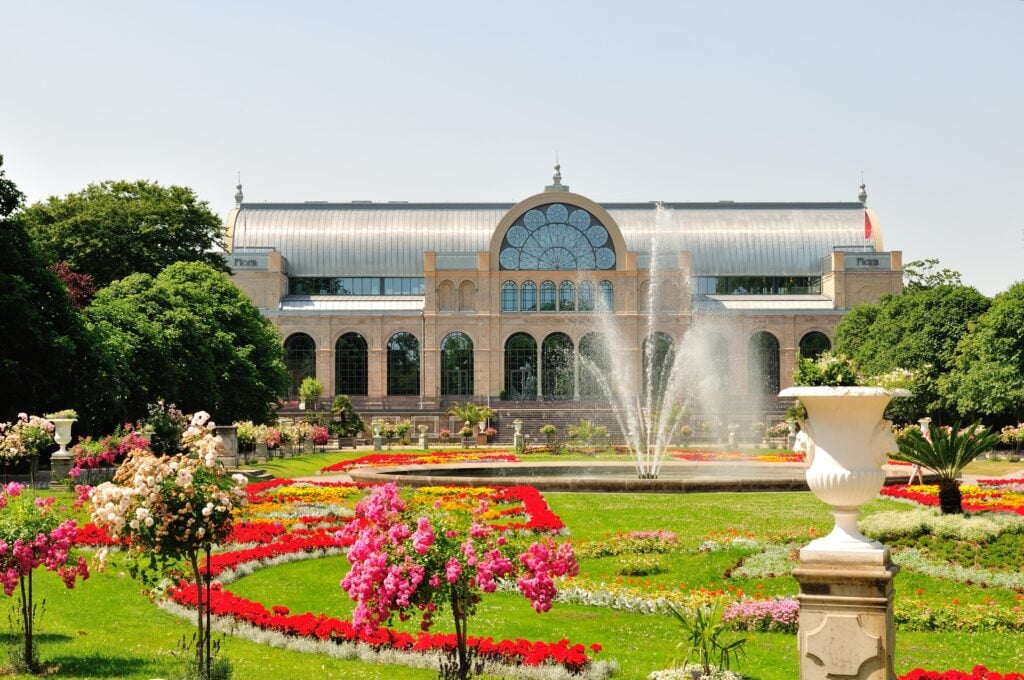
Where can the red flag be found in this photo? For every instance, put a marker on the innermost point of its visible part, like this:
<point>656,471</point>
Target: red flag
<point>867,225</point>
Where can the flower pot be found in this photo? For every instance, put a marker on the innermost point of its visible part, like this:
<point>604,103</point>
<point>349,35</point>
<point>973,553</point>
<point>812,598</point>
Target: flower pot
<point>848,444</point>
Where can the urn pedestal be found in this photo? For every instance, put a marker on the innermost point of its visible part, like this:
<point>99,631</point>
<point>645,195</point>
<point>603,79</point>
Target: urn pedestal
<point>846,625</point>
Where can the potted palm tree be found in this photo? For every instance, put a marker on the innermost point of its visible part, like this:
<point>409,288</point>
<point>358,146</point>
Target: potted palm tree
<point>946,451</point>
<point>472,416</point>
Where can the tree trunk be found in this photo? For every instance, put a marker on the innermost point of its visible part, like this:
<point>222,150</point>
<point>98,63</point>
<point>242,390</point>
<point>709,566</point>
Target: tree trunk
<point>459,614</point>
<point>950,499</point>
<point>202,633</point>
<point>27,615</point>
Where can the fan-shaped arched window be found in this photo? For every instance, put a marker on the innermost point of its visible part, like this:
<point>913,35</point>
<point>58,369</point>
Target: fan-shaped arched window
<point>350,359</point>
<point>567,296</point>
<point>403,364</point>
<point>300,360</point>
<point>547,296</point>
<point>456,365</point>
<point>763,364</point>
<point>814,344</point>
<point>529,296</point>
<point>509,297</point>
<point>521,367</point>
<point>557,237</point>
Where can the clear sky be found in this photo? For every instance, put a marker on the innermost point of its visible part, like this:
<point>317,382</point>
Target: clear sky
<point>467,101</point>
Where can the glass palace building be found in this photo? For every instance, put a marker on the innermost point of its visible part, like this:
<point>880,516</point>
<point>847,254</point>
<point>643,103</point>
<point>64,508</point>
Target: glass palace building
<point>408,306</point>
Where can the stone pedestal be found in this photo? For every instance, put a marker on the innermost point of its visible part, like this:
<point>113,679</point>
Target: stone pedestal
<point>262,454</point>
<point>846,615</point>
<point>423,443</point>
<point>517,441</point>
<point>377,443</point>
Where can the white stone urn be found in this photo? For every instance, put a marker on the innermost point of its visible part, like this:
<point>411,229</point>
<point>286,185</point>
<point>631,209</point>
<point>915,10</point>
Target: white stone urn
<point>849,441</point>
<point>62,434</point>
<point>517,424</point>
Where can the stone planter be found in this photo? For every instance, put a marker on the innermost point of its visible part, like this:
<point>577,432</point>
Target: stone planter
<point>848,444</point>
<point>481,439</point>
<point>262,455</point>
<point>307,446</point>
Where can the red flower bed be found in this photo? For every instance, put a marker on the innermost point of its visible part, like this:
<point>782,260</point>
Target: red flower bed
<point>707,455</point>
<point>537,509</point>
<point>974,499</point>
<point>225,603</point>
<point>427,458</point>
<point>977,673</point>
<point>299,540</point>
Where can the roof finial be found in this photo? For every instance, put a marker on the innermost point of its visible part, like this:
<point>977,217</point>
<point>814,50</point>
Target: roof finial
<point>557,186</point>
<point>863,195</point>
<point>238,194</point>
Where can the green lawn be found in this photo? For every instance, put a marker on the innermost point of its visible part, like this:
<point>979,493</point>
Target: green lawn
<point>106,628</point>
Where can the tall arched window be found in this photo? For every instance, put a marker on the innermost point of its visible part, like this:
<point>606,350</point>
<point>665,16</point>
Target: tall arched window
<point>594,366</point>
<point>520,367</point>
<point>547,296</point>
<point>350,365</point>
<point>814,344</point>
<point>456,365</point>
<point>567,297</point>
<point>557,364</point>
<point>658,357</point>
<point>586,296</point>
<point>403,364</point>
<point>529,293</point>
<point>300,360</point>
<point>763,364</point>
<point>509,297</point>
<point>607,295</point>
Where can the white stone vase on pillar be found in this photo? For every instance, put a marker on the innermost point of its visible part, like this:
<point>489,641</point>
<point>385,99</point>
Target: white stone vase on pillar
<point>60,461</point>
<point>849,443</point>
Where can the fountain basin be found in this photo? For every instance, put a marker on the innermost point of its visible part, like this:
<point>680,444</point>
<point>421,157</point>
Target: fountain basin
<point>600,476</point>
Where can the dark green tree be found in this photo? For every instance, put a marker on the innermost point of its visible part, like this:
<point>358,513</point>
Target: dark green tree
<point>43,347</point>
<point>114,229</point>
<point>191,337</point>
<point>987,376</point>
<point>918,331</point>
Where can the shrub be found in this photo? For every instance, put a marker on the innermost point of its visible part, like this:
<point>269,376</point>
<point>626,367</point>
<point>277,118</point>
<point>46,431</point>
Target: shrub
<point>639,565</point>
<point>310,391</point>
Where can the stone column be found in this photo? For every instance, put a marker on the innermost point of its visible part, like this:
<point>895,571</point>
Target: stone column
<point>229,437</point>
<point>846,616</point>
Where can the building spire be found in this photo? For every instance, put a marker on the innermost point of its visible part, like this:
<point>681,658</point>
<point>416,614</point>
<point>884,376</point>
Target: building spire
<point>238,193</point>
<point>863,195</point>
<point>557,179</point>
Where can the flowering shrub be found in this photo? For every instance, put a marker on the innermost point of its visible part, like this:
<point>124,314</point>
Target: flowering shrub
<point>764,615</point>
<point>34,533</point>
<point>634,542</point>
<point>112,449</point>
<point>320,435</point>
<point>171,509</point>
<point>402,564</point>
<point>272,437</point>
<point>23,438</point>
<point>302,432</point>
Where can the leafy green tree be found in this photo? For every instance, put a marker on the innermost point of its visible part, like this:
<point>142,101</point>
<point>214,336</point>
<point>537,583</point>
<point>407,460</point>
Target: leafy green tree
<point>191,337</point>
<point>43,346</point>
<point>987,376</point>
<point>926,274</point>
<point>113,229</point>
<point>310,391</point>
<point>918,331</point>
<point>947,451</point>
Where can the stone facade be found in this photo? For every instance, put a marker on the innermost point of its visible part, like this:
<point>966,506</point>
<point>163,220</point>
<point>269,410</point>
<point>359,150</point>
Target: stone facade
<point>462,293</point>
